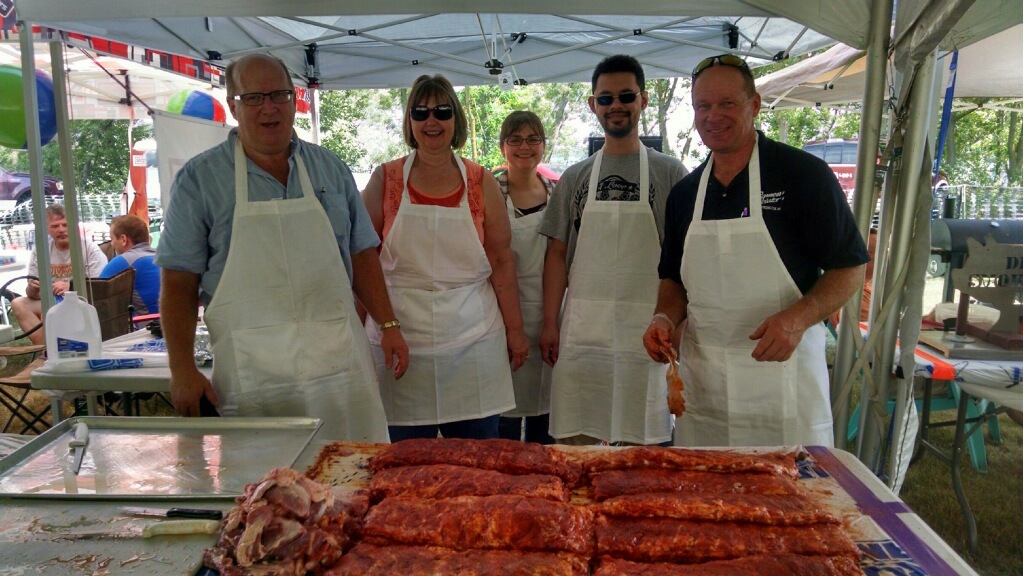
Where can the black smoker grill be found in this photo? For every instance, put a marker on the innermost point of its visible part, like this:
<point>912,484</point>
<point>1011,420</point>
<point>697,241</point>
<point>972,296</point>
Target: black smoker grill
<point>949,241</point>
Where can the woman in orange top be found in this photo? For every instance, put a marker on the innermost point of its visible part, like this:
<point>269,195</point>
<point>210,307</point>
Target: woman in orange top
<point>450,271</point>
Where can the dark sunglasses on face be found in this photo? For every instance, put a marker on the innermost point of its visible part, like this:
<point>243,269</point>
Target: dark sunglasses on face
<point>442,112</point>
<point>723,59</point>
<point>256,98</point>
<point>625,98</point>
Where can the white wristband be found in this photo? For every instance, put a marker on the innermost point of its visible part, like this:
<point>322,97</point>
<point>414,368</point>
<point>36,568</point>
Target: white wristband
<point>664,317</point>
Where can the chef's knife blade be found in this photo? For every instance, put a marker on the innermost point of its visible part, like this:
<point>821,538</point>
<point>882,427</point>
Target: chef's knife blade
<point>150,530</point>
<point>202,513</point>
<point>79,440</point>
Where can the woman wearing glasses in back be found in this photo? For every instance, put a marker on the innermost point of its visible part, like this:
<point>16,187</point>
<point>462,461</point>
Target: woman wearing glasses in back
<point>526,194</point>
<point>450,272</point>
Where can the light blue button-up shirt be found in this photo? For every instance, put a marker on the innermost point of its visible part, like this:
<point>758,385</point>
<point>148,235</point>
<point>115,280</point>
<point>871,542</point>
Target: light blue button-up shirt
<point>197,225</point>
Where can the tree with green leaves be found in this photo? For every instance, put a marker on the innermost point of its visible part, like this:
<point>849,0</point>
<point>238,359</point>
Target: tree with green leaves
<point>101,153</point>
<point>661,102</point>
<point>984,146</point>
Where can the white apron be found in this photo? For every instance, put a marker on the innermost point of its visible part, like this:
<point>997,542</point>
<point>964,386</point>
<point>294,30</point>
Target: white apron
<point>282,321</point>
<point>734,279</point>
<point>604,384</point>
<point>532,382</point>
<point>439,280</point>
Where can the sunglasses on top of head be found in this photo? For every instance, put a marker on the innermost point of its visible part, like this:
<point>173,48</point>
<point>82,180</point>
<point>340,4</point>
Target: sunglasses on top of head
<point>625,98</point>
<point>724,60</point>
<point>442,112</point>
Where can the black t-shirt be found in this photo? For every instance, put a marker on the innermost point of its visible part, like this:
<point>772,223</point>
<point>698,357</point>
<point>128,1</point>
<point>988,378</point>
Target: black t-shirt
<point>804,209</point>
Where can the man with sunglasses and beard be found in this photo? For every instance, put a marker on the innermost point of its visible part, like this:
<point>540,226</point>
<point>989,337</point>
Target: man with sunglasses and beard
<point>269,233</point>
<point>604,223</point>
<point>771,249</point>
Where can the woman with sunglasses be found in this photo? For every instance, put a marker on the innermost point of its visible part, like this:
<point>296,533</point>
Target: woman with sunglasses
<point>450,271</point>
<point>526,195</point>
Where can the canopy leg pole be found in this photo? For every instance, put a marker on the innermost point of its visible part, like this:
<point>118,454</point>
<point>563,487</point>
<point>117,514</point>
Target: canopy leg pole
<point>864,199</point>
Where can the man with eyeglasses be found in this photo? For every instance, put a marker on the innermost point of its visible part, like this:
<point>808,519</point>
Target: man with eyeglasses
<point>604,223</point>
<point>771,249</point>
<point>270,234</point>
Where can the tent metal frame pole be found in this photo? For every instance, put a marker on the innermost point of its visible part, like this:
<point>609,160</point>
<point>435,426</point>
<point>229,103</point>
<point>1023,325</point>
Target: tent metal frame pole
<point>864,202</point>
<point>314,115</point>
<point>67,166</point>
<point>35,158</point>
<point>918,114</point>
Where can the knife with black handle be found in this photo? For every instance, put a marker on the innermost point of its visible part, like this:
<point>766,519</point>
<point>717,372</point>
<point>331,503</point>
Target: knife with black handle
<point>201,513</point>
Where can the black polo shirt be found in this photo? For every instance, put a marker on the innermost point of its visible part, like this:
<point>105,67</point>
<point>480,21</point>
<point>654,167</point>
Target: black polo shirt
<point>804,209</point>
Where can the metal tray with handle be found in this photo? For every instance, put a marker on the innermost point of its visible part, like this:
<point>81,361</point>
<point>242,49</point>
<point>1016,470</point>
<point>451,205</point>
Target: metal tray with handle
<point>154,458</point>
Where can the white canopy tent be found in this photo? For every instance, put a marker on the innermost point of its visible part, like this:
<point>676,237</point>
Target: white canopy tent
<point>381,45</point>
<point>106,87</point>
<point>390,51</point>
<point>990,68</point>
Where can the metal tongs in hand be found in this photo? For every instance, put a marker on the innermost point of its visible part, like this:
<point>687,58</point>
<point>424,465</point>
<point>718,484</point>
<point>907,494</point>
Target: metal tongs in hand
<point>676,402</point>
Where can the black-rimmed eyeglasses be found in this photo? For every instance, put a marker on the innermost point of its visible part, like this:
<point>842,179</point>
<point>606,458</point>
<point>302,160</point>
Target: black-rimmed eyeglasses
<point>723,59</point>
<point>442,112</point>
<point>518,140</point>
<point>625,98</point>
<point>257,98</point>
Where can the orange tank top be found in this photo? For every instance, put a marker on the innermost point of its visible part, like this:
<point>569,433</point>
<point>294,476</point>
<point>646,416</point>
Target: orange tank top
<point>393,185</point>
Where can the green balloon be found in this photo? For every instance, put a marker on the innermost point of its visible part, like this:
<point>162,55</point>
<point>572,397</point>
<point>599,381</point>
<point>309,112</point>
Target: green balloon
<point>12,108</point>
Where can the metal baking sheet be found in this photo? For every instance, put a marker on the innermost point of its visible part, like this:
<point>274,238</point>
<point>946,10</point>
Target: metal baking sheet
<point>155,458</point>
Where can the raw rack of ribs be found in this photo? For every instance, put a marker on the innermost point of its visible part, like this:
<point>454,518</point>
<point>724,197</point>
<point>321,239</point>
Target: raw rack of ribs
<point>484,522</point>
<point>508,456</point>
<point>753,508</point>
<point>788,564</point>
<point>688,542</point>
<point>612,483</point>
<point>448,481</point>
<point>694,460</point>
<point>369,560</point>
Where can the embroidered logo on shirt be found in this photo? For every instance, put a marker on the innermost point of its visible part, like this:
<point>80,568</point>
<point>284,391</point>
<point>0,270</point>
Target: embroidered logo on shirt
<point>772,200</point>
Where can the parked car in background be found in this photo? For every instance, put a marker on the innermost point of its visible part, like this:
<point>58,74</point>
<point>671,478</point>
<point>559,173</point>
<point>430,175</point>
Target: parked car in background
<point>841,156</point>
<point>17,186</point>
<point>542,169</point>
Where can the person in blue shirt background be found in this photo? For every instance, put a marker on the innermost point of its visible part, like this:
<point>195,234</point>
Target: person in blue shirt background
<point>129,236</point>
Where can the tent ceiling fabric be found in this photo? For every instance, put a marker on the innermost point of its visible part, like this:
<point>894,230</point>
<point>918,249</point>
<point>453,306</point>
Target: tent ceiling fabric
<point>390,51</point>
<point>990,68</point>
<point>842,20</point>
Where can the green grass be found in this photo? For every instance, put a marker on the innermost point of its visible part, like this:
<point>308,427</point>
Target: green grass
<point>994,497</point>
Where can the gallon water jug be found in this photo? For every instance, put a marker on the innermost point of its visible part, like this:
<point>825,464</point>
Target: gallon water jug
<point>72,330</point>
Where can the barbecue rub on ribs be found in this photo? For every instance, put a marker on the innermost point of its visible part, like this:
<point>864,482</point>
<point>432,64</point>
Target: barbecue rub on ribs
<point>687,542</point>
<point>487,522</point>
<point>447,481</point>
<point>604,485</point>
<point>788,564</point>
<point>368,560</point>
<point>508,456</point>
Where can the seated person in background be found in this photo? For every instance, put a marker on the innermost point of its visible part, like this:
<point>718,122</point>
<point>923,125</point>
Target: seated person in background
<point>28,309</point>
<point>129,235</point>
